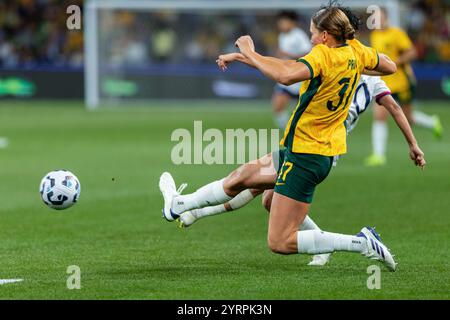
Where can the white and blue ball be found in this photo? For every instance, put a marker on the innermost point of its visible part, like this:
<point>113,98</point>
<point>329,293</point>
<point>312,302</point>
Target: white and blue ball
<point>60,189</point>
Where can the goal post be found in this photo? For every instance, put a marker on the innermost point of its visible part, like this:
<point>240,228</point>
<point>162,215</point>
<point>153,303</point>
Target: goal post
<point>113,77</point>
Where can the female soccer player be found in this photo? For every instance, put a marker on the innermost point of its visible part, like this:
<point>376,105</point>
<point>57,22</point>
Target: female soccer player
<point>369,89</point>
<point>396,43</point>
<point>244,181</point>
<point>315,133</point>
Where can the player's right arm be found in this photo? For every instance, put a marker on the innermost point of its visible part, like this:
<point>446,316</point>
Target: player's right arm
<point>396,112</point>
<point>286,72</point>
<point>225,59</point>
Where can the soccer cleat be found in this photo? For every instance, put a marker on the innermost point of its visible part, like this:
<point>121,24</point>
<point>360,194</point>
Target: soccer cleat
<point>169,191</point>
<point>320,259</point>
<point>375,161</point>
<point>437,129</point>
<point>187,218</point>
<point>376,250</point>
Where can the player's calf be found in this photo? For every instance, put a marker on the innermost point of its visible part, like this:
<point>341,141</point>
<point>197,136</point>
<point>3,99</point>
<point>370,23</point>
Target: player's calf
<point>283,244</point>
<point>267,199</point>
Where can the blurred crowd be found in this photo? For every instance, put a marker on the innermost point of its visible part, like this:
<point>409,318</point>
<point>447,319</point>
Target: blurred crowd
<point>136,38</point>
<point>429,26</point>
<point>33,32</point>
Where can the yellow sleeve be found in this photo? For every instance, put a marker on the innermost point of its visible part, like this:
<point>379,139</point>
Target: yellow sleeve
<point>403,41</point>
<point>372,59</point>
<point>314,60</point>
<point>369,56</point>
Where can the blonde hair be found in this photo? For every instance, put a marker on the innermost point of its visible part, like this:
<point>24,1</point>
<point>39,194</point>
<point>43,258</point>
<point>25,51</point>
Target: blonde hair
<point>334,21</point>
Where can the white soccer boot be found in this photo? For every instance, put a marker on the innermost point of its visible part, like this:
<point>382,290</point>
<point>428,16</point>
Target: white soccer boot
<point>320,259</point>
<point>187,218</point>
<point>376,250</point>
<point>169,191</point>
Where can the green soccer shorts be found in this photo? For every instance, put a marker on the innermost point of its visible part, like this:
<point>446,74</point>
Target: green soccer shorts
<point>300,173</point>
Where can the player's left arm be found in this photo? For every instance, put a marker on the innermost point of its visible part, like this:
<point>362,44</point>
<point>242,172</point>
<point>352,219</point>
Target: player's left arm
<point>384,59</point>
<point>384,67</point>
<point>416,154</point>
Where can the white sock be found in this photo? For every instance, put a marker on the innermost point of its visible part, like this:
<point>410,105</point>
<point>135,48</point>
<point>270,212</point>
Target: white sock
<point>237,202</point>
<point>379,137</point>
<point>317,242</point>
<point>209,195</point>
<point>241,199</point>
<point>208,211</point>
<point>423,120</point>
<point>308,224</point>
<point>281,119</point>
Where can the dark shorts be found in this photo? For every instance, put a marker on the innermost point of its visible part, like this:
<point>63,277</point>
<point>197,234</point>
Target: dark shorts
<point>407,96</point>
<point>300,173</point>
<point>404,98</point>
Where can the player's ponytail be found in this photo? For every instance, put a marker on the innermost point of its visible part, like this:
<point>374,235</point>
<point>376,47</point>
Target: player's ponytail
<point>349,33</point>
<point>335,22</point>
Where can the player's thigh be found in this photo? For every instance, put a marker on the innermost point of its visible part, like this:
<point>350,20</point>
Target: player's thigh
<point>286,215</point>
<point>380,113</point>
<point>294,190</point>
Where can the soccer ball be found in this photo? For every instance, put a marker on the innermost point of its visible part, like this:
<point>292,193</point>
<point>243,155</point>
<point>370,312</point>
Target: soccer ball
<point>60,189</point>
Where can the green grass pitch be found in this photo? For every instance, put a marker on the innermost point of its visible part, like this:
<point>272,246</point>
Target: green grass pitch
<point>125,250</point>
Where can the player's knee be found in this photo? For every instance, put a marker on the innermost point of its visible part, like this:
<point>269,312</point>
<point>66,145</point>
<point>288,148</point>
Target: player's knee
<point>237,181</point>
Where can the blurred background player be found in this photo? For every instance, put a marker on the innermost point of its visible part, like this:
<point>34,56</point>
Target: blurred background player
<point>4,142</point>
<point>395,43</point>
<point>293,43</point>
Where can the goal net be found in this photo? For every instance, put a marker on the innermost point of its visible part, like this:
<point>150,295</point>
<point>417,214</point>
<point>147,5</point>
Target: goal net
<point>139,50</point>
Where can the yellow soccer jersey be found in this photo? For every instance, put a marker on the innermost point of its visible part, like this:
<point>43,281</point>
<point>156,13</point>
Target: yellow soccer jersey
<point>317,124</point>
<point>393,42</point>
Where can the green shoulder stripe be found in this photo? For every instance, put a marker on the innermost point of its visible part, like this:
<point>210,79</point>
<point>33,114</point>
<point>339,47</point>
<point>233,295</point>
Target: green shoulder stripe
<point>305,100</point>
<point>308,65</point>
<point>378,61</point>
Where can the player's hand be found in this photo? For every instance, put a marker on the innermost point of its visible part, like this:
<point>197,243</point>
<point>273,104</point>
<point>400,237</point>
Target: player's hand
<point>417,156</point>
<point>245,44</point>
<point>225,59</point>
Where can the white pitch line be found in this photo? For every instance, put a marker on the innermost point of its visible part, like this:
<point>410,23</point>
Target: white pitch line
<point>5,281</point>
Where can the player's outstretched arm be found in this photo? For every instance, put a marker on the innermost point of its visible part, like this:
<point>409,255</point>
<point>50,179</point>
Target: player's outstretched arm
<point>286,72</point>
<point>225,59</point>
<point>396,112</point>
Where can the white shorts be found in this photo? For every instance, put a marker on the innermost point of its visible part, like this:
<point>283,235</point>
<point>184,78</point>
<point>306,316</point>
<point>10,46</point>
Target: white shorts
<point>293,90</point>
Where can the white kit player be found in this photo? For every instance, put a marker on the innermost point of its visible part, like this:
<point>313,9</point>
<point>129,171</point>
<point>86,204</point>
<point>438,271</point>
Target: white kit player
<point>293,43</point>
<point>259,176</point>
